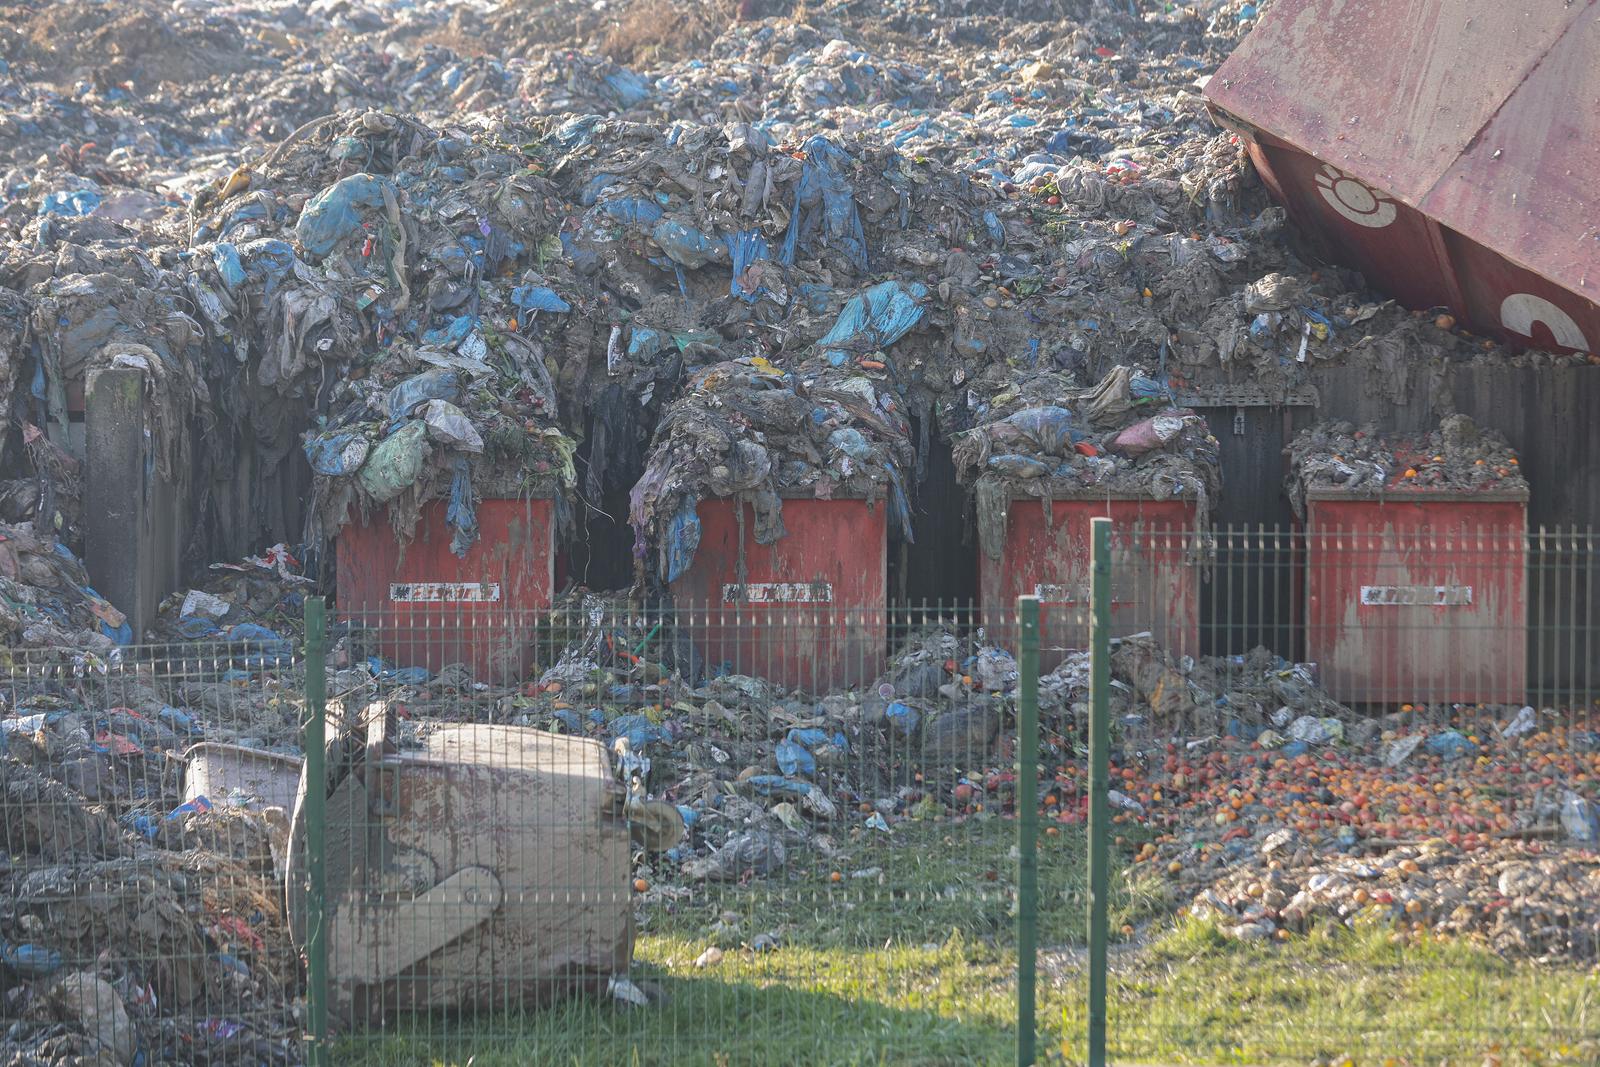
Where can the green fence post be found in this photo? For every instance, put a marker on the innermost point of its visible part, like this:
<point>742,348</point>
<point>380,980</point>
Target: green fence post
<point>1099,785</point>
<point>1027,830</point>
<point>316,815</point>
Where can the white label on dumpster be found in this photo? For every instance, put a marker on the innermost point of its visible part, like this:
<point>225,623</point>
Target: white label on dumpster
<point>1428,596</point>
<point>1055,594</point>
<point>778,593</point>
<point>445,592</point>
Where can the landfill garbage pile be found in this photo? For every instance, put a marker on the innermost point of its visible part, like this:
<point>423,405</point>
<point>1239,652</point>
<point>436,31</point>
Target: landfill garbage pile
<point>259,600</point>
<point>1459,456</point>
<point>47,598</point>
<point>386,277</point>
<point>138,924</point>
<point>1048,440</point>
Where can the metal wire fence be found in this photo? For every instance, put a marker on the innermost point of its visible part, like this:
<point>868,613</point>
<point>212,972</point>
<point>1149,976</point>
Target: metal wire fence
<point>1350,813</point>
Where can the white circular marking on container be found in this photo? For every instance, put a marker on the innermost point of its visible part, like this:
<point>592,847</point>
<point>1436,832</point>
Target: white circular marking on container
<point>1519,311</point>
<point>1355,200</point>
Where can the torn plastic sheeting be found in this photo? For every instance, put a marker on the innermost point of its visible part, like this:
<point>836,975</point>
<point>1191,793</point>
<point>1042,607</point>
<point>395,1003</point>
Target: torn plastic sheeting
<point>778,785</point>
<point>396,463</point>
<point>70,202</point>
<point>683,540</point>
<point>229,266</point>
<point>630,88</point>
<point>335,454</point>
<point>899,507</point>
<point>594,187</point>
<point>883,314</point>
<point>746,247</point>
<point>822,184</point>
<point>793,759</point>
<point>538,298</point>
<point>1049,428</point>
<point>686,245</point>
<point>644,343</point>
<point>1014,466</point>
<point>638,729</point>
<point>632,210</point>
<point>449,425</point>
<point>461,513</point>
<point>436,384</point>
<point>451,335</point>
<point>1147,435</point>
<point>335,213</point>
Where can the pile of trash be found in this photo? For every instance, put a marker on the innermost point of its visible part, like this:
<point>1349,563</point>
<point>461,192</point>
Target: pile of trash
<point>1459,456</point>
<point>1122,438</point>
<point>747,431</point>
<point>1522,900</point>
<point>133,914</point>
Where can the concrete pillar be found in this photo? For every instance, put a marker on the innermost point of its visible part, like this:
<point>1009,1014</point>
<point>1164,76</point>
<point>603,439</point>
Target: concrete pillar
<point>132,525</point>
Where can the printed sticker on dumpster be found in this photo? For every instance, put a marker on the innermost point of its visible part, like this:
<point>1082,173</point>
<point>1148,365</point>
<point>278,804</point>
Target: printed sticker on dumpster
<point>1066,594</point>
<point>1428,596</point>
<point>778,593</point>
<point>445,592</point>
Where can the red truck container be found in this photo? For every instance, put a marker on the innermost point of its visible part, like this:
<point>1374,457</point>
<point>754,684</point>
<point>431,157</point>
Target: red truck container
<point>1418,596</point>
<point>429,607</point>
<point>1155,585</point>
<point>807,611</point>
<point>1445,148</point>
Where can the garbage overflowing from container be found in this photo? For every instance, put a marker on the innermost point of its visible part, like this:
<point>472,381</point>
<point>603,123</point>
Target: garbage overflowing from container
<point>1458,456</point>
<point>1124,436</point>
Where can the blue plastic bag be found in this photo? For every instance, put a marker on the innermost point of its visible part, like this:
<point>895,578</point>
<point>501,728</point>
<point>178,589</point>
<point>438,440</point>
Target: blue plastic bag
<point>683,539</point>
<point>685,245</point>
<point>1049,428</point>
<point>462,513</point>
<point>335,454</point>
<point>823,185</point>
<point>229,265</point>
<point>435,384</point>
<point>638,729</point>
<point>538,298</point>
<point>69,202</point>
<point>793,759</point>
<point>903,717</point>
<point>881,315</point>
<point>335,213</point>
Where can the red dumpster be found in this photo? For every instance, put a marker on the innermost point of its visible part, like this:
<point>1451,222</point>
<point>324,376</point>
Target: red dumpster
<point>807,611</point>
<point>1443,147</point>
<point>428,607</point>
<point>1418,596</point>
<point>1154,582</point>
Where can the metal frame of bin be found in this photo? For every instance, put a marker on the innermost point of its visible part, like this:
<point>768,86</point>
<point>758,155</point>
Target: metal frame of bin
<point>808,611</point>
<point>1154,578</point>
<point>429,608</point>
<point>1418,595</point>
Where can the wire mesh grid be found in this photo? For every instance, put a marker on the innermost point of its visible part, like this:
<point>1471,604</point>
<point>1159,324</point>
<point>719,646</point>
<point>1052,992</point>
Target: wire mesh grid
<point>637,831</point>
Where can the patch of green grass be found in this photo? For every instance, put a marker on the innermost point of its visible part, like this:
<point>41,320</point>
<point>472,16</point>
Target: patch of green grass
<point>916,965</point>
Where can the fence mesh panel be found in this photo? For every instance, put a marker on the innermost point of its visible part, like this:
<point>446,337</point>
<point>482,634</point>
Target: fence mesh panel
<point>1353,775</point>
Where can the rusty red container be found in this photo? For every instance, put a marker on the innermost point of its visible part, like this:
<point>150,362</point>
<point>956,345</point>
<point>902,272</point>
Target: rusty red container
<point>428,607</point>
<point>808,611</point>
<point>1155,584</point>
<point>1418,596</point>
<point>1443,148</point>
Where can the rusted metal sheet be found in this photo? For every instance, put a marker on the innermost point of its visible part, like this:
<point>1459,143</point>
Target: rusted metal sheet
<point>806,611</point>
<point>1155,585</point>
<point>1418,597</point>
<point>1444,147</point>
<point>429,607</point>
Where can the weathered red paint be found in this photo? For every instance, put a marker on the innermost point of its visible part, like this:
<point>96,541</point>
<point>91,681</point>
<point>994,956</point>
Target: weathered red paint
<point>1465,135</point>
<point>512,563</point>
<point>1154,586</point>
<point>830,631</point>
<point>1409,547</point>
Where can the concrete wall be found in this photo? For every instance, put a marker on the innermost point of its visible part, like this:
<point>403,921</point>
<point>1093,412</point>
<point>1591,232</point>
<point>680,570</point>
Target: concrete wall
<point>133,519</point>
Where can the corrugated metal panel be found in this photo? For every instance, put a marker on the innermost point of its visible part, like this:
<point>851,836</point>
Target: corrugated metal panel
<point>807,611</point>
<point>1153,585</point>
<point>1445,147</point>
<point>412,602</point>
<point>1418,597</point>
